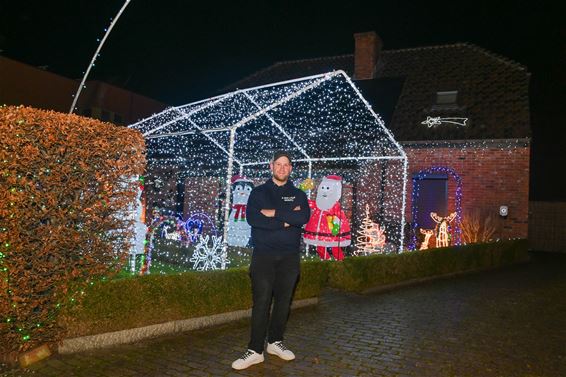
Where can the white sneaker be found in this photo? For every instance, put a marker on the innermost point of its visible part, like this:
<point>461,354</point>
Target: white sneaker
<point>279,349</point>
<point>248,359</point>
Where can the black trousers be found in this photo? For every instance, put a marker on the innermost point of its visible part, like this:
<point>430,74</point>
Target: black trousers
<point>274,277</point>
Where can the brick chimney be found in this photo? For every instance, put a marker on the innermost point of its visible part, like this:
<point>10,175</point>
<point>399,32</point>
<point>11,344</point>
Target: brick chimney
<point>368,47</point>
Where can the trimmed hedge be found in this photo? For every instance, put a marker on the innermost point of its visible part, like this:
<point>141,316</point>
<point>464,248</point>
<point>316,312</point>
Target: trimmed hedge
<point>360,274</point>
<point>63,179</point>
<point>145,300</point>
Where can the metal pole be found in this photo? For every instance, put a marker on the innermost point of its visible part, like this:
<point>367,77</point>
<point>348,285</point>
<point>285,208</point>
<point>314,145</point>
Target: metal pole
<point>227,199</point>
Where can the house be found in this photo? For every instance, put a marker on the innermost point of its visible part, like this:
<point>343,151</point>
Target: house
<point>23,84</point>
<point>462,116</point>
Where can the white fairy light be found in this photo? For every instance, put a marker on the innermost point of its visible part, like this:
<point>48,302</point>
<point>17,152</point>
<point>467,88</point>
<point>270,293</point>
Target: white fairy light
<point>322,120</point>
<point>96,55</point>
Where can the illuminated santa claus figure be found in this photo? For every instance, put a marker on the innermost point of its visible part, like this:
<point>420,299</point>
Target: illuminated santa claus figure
<point>328,228</point>
<point>239,230</point>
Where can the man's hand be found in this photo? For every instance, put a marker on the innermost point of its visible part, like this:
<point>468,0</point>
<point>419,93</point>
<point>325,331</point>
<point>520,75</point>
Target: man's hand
<point>268,212</point>
<point>286,225</point>
<point>297,208</point>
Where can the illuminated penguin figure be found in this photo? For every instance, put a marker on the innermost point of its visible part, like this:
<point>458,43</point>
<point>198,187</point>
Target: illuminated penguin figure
<point>239,231</point>
<point>328,226</point>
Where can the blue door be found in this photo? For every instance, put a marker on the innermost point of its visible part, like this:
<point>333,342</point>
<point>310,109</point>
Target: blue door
<point>432,197</point>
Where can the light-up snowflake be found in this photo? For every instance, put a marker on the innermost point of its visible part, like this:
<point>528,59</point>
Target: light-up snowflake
<point>207,257</point>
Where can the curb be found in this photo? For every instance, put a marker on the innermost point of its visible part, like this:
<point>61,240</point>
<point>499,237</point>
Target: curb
<point>91,342</point>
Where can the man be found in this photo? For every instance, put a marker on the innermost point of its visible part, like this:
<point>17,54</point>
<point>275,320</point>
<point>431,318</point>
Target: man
<point>276,211</point>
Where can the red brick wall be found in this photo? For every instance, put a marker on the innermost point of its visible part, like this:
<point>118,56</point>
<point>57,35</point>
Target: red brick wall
<point>492,173</point>
<point>368,47</point>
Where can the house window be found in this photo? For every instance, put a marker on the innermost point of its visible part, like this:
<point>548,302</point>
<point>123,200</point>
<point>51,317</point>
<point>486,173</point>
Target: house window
<point>86,112</point>
<point>118,119</point>
<point>432,197</point>
<point>447,98</point>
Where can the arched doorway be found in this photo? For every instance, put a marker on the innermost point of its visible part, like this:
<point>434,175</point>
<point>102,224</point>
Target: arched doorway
<point>430,194</point>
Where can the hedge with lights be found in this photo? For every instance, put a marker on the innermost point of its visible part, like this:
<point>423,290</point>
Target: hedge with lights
<point>363,273</point>
<point>63,179</point>
<point>150,299</point>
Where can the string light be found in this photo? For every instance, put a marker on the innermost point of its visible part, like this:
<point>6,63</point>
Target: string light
<point>96,55</point>
<point>322,120</point>
<point>435,121</point>
<point>422,175</point>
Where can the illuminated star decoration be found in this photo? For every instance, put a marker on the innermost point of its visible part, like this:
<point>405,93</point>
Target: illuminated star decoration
<point>435,121</point>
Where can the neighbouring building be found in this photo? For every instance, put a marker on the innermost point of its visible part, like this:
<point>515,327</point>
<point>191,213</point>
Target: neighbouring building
<point>23,84</point>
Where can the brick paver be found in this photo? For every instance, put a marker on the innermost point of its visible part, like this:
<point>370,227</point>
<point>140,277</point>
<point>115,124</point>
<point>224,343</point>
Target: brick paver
<point>509,322</point>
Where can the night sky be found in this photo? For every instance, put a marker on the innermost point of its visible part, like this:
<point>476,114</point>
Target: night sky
<point>179,51</point>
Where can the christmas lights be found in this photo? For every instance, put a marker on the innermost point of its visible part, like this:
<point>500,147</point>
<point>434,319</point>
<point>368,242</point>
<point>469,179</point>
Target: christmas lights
<point>428,233</point>
<point>96,55</point>
<point>435,121</point>
<point>207,257</point>
<point>371,238</point>
<point>458,197</point>
<point>442,235</point>
<point>322,120</point>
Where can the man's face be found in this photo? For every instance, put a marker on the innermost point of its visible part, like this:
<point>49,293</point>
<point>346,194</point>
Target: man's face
<point>281,169</point>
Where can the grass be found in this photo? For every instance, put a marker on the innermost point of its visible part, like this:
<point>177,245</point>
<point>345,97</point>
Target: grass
<point>170,257</point>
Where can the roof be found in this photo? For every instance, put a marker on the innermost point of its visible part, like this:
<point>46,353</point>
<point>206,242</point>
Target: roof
<point>492,90</point>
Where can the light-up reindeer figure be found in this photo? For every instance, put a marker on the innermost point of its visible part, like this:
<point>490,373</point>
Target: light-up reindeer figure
<point>442,228</point>
<point>427,233</point>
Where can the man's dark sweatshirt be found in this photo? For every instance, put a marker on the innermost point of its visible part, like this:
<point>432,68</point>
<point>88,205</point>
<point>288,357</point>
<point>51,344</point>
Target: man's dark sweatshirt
<point>269,235</point>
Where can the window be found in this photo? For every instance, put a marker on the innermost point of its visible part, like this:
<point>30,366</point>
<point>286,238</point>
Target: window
<point>447,98</point>
<point>118,119</point>
<point>87,112</point>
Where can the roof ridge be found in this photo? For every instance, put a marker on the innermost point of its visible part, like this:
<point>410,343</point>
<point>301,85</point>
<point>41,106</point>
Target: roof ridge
<point>472,46</point>
<point>312,59</point>
<point>499,57</point>
<point>278,63</point>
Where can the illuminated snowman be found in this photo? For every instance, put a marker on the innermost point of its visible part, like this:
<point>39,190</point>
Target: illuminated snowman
<point>239,231</point>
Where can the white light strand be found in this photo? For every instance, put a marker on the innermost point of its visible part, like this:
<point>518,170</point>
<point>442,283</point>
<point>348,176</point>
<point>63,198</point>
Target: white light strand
<point>435,121</point>
<point>96,54</point>
<point>323,120</point>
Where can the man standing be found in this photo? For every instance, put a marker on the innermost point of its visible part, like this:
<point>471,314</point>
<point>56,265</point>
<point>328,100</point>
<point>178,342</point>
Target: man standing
<point>276,211</point>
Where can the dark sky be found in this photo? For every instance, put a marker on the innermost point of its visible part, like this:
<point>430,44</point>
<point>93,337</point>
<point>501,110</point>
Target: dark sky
<point>180,50</point>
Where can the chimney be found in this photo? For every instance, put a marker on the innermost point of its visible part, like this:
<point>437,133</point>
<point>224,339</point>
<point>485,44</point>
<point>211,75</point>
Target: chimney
<point>368,47</point>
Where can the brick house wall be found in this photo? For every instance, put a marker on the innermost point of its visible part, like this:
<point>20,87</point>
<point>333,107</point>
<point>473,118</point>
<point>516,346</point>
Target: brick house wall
<point>493,173</point>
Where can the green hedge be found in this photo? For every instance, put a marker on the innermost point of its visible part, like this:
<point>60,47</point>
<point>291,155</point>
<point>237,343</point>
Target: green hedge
<point>363,273</point>
<point>145,300</point>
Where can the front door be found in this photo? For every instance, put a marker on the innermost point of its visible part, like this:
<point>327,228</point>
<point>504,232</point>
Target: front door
<point>432,197</point>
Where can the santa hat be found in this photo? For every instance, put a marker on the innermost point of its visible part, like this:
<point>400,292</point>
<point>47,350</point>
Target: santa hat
<point>239,178</point>
<point>334,177</point>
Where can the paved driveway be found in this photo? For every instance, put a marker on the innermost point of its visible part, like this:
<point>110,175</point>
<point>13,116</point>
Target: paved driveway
<point>509,322</point>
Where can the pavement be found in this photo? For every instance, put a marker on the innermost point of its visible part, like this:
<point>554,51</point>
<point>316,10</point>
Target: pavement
<point>507,322</point>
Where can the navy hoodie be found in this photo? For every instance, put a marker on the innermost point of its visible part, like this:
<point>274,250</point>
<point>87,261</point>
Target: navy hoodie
<point>269,235</point>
